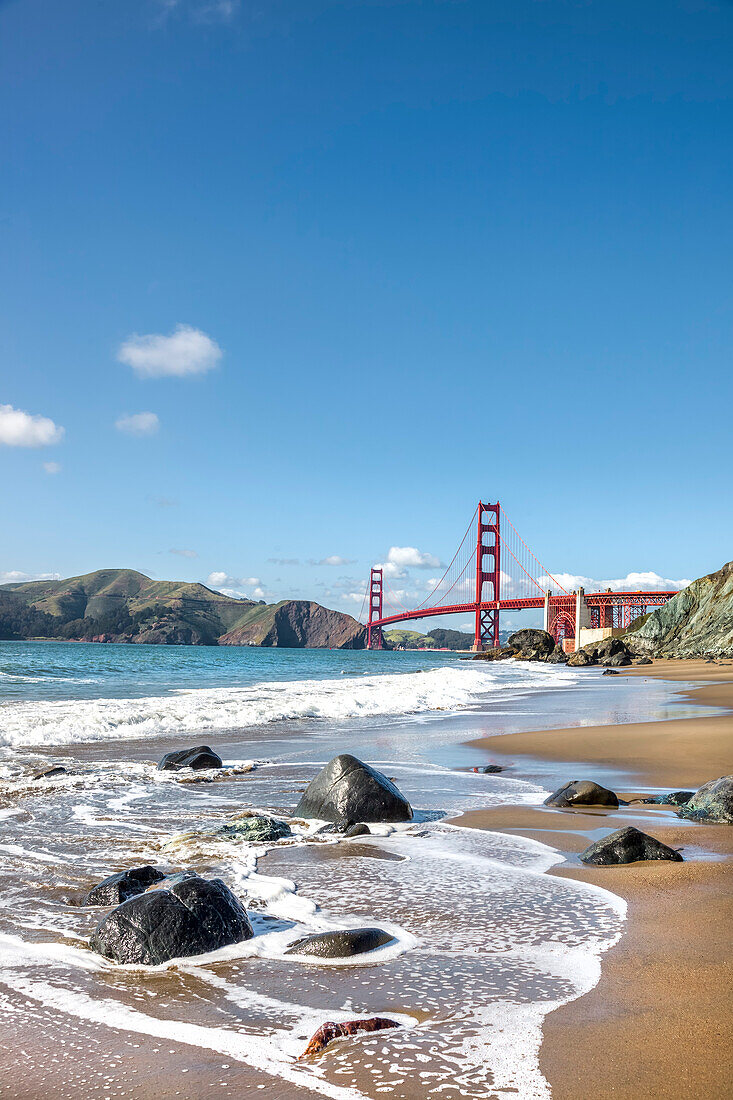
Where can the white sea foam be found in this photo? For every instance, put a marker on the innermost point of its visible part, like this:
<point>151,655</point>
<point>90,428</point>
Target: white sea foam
<point>43,722</point>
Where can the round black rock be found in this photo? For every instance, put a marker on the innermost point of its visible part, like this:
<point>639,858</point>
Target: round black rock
<point>340,945</point>
<point>193,917</point>
<point>582,792</point>
<point>126,884</point>
<point>349,790</point>
<point>627,845</point>
<point>197,758</point>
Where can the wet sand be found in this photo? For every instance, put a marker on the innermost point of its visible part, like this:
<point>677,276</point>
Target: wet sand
<point>660,1021</point>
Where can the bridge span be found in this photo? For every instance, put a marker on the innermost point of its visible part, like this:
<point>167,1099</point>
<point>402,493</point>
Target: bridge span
<point>493,570</point>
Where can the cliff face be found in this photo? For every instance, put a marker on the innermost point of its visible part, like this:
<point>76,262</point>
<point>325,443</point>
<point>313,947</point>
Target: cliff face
<point>696,622</point>
<point>294,624</point>
<point>122,605</point>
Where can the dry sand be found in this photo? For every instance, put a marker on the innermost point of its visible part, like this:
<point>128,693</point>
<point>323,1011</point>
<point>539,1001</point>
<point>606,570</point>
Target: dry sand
<point>659,1022</point>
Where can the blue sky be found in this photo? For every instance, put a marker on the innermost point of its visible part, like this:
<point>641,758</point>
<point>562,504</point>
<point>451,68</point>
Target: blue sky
<point>303,280</point>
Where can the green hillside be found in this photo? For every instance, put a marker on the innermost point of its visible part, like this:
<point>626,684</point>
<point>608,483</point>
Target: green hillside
<point>123,605</point>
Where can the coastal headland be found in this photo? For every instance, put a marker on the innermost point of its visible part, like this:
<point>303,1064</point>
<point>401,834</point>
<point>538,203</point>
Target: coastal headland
<point>659,1022</point>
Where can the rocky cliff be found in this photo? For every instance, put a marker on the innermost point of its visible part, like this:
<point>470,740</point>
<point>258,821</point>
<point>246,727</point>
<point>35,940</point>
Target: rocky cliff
<point>297,623</point>
<point>697,622</point>
<point>122,605</point>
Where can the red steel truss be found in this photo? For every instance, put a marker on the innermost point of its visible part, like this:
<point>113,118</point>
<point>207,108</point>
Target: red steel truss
<point>484,564</point>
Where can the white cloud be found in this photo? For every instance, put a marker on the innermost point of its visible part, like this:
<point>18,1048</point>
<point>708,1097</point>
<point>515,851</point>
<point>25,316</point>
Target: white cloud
<point>21,429</point>
<point>237,587</point>
<point>204,11</point>
<point>410,556</point>
<point>284,561</point>
<point>186,351</point>
<point>16,576</point>
<point>52,467</point>
<point>332,559</point>
<point>144,423</point>
<point>633,582</point>
<point>184,553</point>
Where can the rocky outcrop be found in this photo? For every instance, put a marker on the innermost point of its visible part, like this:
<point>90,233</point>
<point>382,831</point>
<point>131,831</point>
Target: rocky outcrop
<point>582,792</point>
<point>697,622</point>
<point>627,845</point>
<point>194,916</point>
<point>295,624</point>
<point>126,884</point>
<point>349,791</point>
<point>197,758</point>
<point>329,1031</point>
<point>530,644</point>
<point>712,802</point>
<point>341,944</point>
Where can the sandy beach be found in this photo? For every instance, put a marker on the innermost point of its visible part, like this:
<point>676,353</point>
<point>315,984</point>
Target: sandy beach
<point>659,1021</point>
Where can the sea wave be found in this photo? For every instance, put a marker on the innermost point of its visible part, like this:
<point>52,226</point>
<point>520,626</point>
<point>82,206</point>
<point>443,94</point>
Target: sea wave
<point>43,722</point>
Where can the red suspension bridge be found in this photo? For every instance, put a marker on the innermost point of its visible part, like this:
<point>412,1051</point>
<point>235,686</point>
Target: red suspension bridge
<point>493,570</point>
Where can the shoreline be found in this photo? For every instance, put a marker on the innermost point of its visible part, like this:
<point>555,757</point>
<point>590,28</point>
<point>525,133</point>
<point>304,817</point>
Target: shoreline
<point>659,1021</point>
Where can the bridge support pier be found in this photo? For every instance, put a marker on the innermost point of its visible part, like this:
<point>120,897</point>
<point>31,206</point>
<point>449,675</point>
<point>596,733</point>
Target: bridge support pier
<point>375,638</point>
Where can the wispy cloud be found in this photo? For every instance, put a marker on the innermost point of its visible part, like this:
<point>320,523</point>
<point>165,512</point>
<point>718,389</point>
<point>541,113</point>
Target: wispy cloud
<point>52,467</point>
<point>332,559</point>
<point>184,553</point>
<point>142,423</point>
<point>184,352</point>
<point>201,11</point>
<point>284,561</point>
<point>401,558</point>
<point>17,576</point>
<point>22,429</point>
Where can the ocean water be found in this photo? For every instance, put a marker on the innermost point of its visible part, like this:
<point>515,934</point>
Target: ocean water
<point>485,943</point>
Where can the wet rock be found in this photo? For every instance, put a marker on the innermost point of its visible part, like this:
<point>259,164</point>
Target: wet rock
<point>533,645</point>
<point>192,917</point>
<point>579,659</point>
<point>489,769</point>
<point>582,792</point>
<point>51,773</point>
<point>496,653</point>
<point>643,661</point>
<point>611,672</point>
<point>197,758</point>
<point>329,1031</point>
<point>358,829</point>
<point>347,789</point>
<point>558,656</point>
<point>257,828</point>
<point>627,845</point>
<point>341,944</point>
<point>676,798</point>
<point>126,884</point>
<point>617,660</point>
<point>711,802</point>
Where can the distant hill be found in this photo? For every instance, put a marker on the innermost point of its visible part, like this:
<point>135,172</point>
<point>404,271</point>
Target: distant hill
<point>697,622</point>
<point>122,605</point>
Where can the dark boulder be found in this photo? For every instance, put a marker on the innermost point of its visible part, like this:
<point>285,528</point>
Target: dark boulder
<point>616,660</point>
<point>582,792</point>
<point>256,828</point>
<point>611,672</point>
<point>197,758</point>
<point>579,659</point>
<point>643,661</point>
<point>489,769</point>
<point>534,644</point>
<point>193,916</point>
<point>349,790</point>
<point>340,945</point>
<point>607,647</point>
<point>627,845</point>
<point>558,656</point>
<point>711,802</point>
<point>496,653</point>
<point>358,829</point>
<point>51,773</point>
<point>126,884</point>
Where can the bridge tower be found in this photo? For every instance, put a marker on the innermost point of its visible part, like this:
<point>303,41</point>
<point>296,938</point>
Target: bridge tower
<point>375,639</point>
<point>488,559</point>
